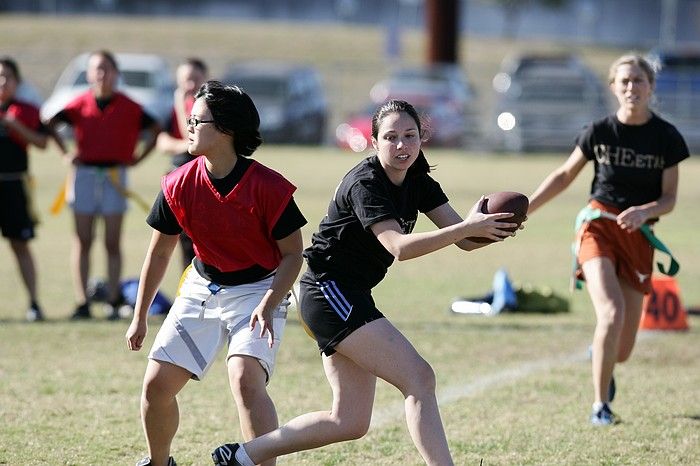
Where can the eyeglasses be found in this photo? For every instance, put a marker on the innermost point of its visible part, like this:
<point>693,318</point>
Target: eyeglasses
<point>194,121</point>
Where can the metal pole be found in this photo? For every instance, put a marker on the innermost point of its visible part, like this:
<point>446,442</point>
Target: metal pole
<point>442,18</point>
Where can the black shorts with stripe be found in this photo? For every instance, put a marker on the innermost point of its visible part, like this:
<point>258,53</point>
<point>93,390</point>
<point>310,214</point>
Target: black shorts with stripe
<point>332,311</point>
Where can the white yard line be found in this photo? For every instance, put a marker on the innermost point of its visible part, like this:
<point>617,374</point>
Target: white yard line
<point>395,411</point>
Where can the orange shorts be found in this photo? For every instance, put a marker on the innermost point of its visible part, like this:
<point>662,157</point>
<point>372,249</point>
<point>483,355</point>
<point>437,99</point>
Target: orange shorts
<point>631,253</point>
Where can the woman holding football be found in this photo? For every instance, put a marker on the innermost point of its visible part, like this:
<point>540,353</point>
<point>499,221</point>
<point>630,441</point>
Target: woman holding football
<point>369,224</point>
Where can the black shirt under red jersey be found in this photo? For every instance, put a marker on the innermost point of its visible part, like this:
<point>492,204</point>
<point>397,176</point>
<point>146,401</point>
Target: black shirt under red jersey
<point>106,130</point>
<point>164,220</point>
<point>13,148</point>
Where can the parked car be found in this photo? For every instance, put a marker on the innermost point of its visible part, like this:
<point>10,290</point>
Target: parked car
<point>444,106</point>
<point>543,102</point>
<point>678,90</point>
<point>449,74</point>
<point>145,78</point>
<point>289,97</point>
<point>455,85</point>
<point>445,122</point>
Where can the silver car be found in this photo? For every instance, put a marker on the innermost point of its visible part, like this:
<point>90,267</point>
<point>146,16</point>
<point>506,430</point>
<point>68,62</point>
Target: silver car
<point>453,104</point>
<point>145,78</point>
<point>289,97</point>
<point>543,102</point>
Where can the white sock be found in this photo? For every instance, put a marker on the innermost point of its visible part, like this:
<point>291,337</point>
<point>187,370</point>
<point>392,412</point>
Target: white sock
<point>596,406</point>
<point>243,458</point>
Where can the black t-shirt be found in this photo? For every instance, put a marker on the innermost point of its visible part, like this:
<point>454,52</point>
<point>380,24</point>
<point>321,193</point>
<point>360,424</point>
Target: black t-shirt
<point>163,219</point>
<point>344,248</point>
<point>629,160</point>
<point>14,156</point>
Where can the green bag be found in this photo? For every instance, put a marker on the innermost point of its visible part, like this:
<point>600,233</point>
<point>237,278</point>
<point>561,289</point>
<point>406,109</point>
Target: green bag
<point>540,299</point>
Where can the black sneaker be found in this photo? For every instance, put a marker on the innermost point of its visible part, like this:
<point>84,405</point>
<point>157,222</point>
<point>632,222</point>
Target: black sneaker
<point>146,461</point>
<point>603,416</point>
<point>114,308</point>
<point>225,455</point>
<point>81,312</point>
<point>34,313</point>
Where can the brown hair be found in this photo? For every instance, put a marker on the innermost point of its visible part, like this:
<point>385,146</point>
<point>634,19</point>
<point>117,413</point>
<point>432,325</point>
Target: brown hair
<point>9,63</point>
<point>197,64</point>
<point>107,55</point>
<point>421,165</point>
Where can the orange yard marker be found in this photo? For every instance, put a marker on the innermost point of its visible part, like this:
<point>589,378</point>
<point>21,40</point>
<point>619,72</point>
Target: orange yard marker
<point>663,309</point>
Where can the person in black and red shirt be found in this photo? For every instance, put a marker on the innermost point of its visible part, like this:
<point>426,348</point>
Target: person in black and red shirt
<point>246,231</point>
<point>369,224</point>
<point>107,125</point>
<point>20,126</point>
<point>189,77</point>
<point>635,156</point>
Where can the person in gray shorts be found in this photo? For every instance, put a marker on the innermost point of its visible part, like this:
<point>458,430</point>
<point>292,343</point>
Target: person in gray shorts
<point>107,125</point>
<point>246,232</point>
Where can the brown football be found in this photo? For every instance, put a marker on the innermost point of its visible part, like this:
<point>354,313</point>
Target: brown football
<point>504,201</point>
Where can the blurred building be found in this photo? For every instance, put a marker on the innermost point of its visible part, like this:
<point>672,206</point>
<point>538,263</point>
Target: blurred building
<point>639,23</point>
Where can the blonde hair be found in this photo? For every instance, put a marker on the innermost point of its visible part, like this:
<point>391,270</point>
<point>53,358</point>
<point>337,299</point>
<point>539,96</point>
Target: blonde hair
<point>632,59</point>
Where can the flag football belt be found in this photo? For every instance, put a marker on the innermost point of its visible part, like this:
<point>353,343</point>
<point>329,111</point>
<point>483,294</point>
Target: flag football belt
<point>113,176</point>
<point>59,201</point>
<point>588,214</point>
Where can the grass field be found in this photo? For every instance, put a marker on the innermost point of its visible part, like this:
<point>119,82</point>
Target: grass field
<point>515,389</point>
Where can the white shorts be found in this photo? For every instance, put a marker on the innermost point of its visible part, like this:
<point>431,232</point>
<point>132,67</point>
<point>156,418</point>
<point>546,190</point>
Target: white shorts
<point>203,319</point>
